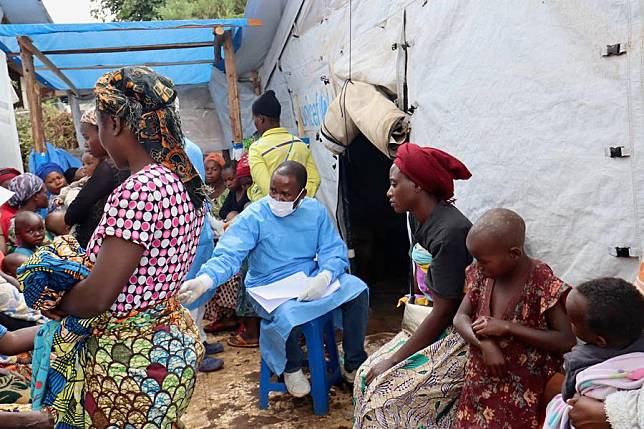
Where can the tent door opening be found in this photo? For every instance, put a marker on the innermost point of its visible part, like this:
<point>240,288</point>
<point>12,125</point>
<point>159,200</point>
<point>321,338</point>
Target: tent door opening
<point>377,234</point>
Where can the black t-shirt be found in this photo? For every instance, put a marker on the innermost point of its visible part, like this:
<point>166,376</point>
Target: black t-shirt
<point>87,208</point>
<point>232,205</point>
<point>443,235</point>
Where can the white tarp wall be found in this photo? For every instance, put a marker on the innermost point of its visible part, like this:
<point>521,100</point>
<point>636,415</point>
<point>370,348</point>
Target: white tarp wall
<point>9,146</point>
<point>517,90</point>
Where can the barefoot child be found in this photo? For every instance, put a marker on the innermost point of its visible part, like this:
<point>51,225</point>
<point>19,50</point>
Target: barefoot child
<point>519,330</point>
<point>607,314</point>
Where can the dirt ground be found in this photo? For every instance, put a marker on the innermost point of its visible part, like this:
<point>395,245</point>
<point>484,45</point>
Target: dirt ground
<point>229,398</point>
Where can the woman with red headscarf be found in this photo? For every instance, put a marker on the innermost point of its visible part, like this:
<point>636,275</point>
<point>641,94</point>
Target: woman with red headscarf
<point>415,380</point>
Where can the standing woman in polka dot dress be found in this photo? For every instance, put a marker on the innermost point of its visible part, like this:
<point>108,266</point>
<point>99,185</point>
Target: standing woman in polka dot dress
<point>143,356</point>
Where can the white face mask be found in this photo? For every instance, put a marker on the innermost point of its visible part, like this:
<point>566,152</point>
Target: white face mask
<point>283,208</point>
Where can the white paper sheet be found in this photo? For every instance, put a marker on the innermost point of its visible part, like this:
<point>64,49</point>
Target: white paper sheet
<point>275,294</point>
<point>5,195</point>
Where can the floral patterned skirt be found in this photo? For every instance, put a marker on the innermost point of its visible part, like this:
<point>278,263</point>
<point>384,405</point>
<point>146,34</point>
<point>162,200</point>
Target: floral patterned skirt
<point>420,392</point>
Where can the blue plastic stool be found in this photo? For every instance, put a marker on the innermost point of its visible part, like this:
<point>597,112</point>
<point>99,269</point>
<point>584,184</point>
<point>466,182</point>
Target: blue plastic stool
<point>318,333</point>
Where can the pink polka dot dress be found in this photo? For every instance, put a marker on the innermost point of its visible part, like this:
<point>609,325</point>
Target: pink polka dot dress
<point>153,209</point>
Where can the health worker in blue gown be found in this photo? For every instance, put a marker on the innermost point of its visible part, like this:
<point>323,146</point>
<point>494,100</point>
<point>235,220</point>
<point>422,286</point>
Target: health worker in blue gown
<point>283,234</point>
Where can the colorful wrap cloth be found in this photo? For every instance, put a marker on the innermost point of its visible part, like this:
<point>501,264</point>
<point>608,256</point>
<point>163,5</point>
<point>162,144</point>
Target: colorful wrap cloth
<point>146,102</point>
<point>624,372</point>
<point>135,371</point>
<point>59,355</point>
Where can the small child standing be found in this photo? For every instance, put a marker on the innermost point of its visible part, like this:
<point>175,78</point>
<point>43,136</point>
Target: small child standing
<point>520,329</point>
<point>30,232</point>
<point>608,315</point>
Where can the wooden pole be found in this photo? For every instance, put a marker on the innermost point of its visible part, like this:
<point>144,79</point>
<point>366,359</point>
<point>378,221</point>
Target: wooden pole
<point>233,92</point>
<point>25,44</point>
<point>33,99</point>
<point>257,84</point>
<point>76,116</point>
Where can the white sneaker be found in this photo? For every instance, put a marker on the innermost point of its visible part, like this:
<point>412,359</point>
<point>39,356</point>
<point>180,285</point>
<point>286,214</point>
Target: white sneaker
<point>349,377</point>
<point>297,384</point>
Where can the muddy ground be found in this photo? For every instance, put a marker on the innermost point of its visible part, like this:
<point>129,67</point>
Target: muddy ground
<point>229,398</point>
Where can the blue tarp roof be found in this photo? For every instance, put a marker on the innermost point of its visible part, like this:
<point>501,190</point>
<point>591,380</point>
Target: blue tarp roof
<point>184,66</point>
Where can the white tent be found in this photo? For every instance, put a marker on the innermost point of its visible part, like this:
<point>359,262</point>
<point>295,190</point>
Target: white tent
<point>9,146</point>
<point>523,92</point>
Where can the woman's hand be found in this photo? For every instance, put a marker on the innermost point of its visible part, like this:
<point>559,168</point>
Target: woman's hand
<point>587,413</point>
<point>54,314</point>
<point>493,358</point>
<point>379,369</point>
<point>486,326</point>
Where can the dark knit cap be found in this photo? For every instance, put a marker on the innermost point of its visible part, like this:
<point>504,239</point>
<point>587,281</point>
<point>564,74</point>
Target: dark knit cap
<point>267,105</point>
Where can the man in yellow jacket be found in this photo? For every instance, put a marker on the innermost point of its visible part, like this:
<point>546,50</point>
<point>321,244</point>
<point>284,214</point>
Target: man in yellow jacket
<point>275,146</point>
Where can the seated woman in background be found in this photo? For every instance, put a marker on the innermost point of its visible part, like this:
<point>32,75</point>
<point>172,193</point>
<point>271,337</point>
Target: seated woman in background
<point>85,211</point>
<point>53,176</point>
<point>214,164</point>
<point>29,195</point>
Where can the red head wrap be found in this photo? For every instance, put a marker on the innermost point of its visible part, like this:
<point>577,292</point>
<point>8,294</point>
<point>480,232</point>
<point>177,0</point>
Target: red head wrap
<point>431,169</point>
<point>8,174</point>
<point>243,166</point>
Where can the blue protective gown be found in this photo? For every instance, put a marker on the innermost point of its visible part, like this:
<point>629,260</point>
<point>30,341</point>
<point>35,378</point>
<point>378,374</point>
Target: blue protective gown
<point>206,239</point>
<point>276,247</point>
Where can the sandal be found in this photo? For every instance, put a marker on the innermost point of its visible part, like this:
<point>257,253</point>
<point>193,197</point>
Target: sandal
<point>239,341</point>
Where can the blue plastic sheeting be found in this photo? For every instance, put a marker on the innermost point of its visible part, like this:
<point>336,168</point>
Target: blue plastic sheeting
<point>55,37</point>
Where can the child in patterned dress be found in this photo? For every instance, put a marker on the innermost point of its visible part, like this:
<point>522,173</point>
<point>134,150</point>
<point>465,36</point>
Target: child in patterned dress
<point>515,323</point>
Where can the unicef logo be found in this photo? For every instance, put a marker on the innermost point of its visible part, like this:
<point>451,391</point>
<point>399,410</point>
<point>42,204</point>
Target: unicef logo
<point>313,112</point>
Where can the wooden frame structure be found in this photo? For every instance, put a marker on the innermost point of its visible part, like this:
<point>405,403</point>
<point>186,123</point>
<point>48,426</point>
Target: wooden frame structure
<point>222,38</point>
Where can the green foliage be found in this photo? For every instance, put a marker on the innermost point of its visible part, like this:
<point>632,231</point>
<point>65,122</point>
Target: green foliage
<point>126,10</point>
<point>58,127</point>
<point>148,10</point>
<point>201,9</point>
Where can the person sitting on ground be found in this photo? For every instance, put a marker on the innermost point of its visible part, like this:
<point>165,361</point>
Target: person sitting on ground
<point>237,183</point>
<point>514,320</point>
<point>284,234</point>
<point>415,379</point>
<point>275,146</point>
<point>607,314</point>
<point>29,195</point>
<point>215,164</point>
<point>85,211</point>
<point>53,176</point>
<point>55,223</point>
<point>30,232</point>
<point>15,388</point>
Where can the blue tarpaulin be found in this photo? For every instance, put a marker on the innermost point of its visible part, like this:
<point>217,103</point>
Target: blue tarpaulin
<point>185,66</point>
